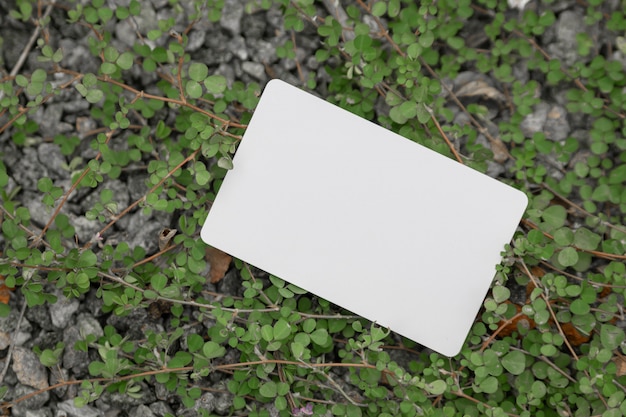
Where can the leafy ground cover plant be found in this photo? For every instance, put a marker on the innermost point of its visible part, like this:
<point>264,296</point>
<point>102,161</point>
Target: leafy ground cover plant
<point>469,80</point>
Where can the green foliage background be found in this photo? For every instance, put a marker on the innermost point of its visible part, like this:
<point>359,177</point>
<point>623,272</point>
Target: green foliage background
<point>569,250</point>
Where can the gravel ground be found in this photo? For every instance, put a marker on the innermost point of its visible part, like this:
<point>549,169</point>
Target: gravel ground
<point>242,47</point>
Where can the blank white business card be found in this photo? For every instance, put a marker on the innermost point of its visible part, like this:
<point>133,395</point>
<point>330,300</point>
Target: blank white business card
<point>363,217</point>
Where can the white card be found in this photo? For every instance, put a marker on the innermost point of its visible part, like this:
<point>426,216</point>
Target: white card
<point>363,217</point>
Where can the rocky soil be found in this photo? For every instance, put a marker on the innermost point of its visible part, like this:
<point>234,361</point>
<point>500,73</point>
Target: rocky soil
<point>242,47</point>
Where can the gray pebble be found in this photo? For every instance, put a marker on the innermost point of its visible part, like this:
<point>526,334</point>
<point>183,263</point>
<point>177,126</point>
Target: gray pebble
<point>232,12</point>
<point>142,411</point>
<point>71,410</point>
<point>27,169</point>
<point>161,409</point>
<point>568,25</point>
<point>75,360</point>
<point>87,324</point>
<point>144,232</point>
<point>254,69</point>
<point>196,40</point>
<point>28,369</point>
<point>61,312</point>
<point>85,229</point>
<point>33,403</point>
<point>534,122</point>
<point>158,4</point>
<point>222,404</point>
<point>557,127</point>
<point>45,412</point>
<point>238,47</point>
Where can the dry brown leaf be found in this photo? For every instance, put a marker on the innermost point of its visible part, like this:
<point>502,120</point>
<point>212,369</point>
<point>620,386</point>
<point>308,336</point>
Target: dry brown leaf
<point>5,292</point>
<point>165,238</point>
<point>219,261</point>
<point>620,361</point>
<point>480,88</point>
<point>574,337</point>
<point>508,327</point>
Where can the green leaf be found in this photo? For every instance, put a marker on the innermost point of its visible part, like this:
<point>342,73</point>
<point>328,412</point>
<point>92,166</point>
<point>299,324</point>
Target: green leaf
<point>579,307</point>
<point>500,293</point>
<point>297,349</point>
<point>568,257</point>
<point>514,362</point>
<point>555,216</point>
<point>94,96</point>
<point>268,389</point>
<point>611,336</point>
<point>282,329</point>
<point>215,84</point>
<point>267,332</point>
<point>362,42</point>
<point>21,81</point>
<point>563,236</point>
<point>125,61</point>
<point>426,39</point>
<point>225,162</point>
<point>108,68</point>
<point>193,89</point>
<point>198,71</point>
<point>437,387</point>
<point>423,115</point>
<point>586,239</point>
<point>379,8</point>
<point>489,385</point>
<point>38,76</point>
<point>213,350</point>
<point>86,259</point>
<point>194,342</point>
<point>158,282</point>
<point>320,337</point>
<point>538,389</point>
<point>203,177</point>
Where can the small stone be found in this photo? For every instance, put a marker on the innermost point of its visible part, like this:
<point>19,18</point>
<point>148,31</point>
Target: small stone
<point>534,122</point>
<point>238,47</point>
<point>196,40</point>
<point>556,127</point>
<point>232,12</point>
<point>33,403</point>
<point>61,312</point>
<point>5,340</point>
<point>27,170</point>
<point>254,69</point>
<point>73,359</point>
<point>161,409</point>
<point>28,369</point>
<point>38,413</point>
<point>159,4</point>
<point>39,212</point>
<point>223,403</point>
<point>253,27</point>
<point>87,324</point>
<point>144,233</point>
<point>142,411</point>
<point>85,229</point>
<point>72,411</point>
